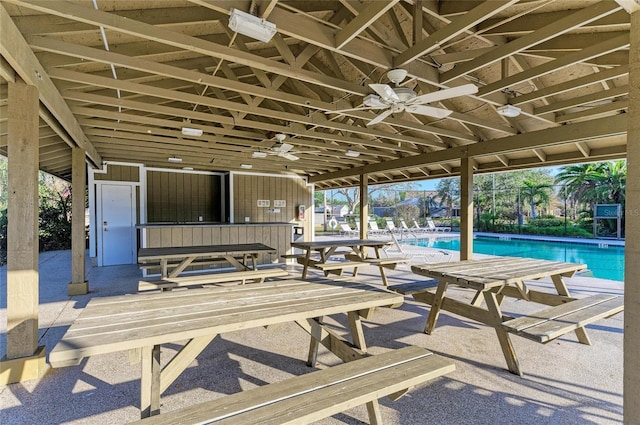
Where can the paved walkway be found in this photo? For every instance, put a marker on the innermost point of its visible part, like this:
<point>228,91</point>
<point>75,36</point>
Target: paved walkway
<point>564,382</point>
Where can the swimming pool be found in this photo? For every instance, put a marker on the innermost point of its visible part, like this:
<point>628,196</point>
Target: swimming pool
<point>605,262</point>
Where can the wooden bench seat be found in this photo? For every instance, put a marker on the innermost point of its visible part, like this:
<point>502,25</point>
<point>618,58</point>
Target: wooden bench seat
<point>414,287</point>
<point>202,279</point>
<point>156,264</point>
<point>308,398</point>
<point>390,262</point>
<point>553,322</point>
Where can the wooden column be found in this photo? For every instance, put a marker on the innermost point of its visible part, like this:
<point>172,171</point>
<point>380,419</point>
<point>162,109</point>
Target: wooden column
<point>78,285</point>
<point>466,209</point>
<point>24,360</point>
<point>364,205</point>
<point>632,239</point>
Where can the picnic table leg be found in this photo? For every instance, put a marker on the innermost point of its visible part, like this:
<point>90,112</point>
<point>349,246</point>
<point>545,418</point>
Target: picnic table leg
<point>314,345</point>
<point>150,382</point>
<point>163,268</point>
<point>493,305</point>
<point>305,267</point>
<point>562,289</point>
<point>435,307</point>
<point>357,334</point>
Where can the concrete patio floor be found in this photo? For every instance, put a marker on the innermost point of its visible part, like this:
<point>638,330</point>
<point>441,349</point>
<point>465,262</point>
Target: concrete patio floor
<point>564,382</point>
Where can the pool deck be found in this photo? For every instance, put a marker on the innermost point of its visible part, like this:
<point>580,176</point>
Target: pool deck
<point>564,382</point>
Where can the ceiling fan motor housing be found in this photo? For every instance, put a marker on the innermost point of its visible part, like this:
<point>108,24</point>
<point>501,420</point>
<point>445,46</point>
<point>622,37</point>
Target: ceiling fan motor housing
<point>405,94</point>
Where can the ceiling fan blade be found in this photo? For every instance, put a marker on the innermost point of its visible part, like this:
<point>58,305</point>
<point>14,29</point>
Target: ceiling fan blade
<point>365,108</point>
<point>436,96</point>
<point>380,117</point>
<point>282,148</point>
<point>289,156</point>
<point>428,110</point>
<point>386,92</point>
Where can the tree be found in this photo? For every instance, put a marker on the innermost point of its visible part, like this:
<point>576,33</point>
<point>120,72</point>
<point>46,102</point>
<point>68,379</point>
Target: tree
<point>535,194</point>
<point>352,194</point>
<point>449,193</point>
<point>600,182</point>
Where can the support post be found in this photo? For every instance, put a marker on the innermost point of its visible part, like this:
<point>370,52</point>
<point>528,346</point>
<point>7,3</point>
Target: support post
<point>632,245</point>
<point>78,285</point>
<point>466,208</point>
<point>364,205</point>
<point>24,359</point>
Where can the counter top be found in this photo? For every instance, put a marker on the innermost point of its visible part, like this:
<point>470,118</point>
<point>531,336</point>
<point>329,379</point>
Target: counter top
<point>205,223</point>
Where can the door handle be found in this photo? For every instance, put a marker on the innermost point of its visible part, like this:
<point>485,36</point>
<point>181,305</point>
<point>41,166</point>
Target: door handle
<point>104,226</point>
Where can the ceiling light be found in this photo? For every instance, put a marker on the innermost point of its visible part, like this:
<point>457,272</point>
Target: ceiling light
<point>188,131</point>
<point>373,100</point>
<point>352,154</point>
<point>251,26</point>
<point>174,160</point>
<point>259,155</point>
<point>509,111</point>
<point>246,166</point>
<point>187,168</point>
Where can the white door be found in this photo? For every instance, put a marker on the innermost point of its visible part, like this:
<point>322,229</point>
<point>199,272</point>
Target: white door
<point>117,226</point>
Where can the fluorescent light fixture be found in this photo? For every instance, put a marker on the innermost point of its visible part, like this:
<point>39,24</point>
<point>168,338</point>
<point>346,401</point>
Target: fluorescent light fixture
<point>246,166</point>
<point>188,131</point>
<point>509,111</point>
<point>259,155</point>
<point>187,168</point>
<point>174,160</point>
<point>251,26</point>
<point>352,154</point>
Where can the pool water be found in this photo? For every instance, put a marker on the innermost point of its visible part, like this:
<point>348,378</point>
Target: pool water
<point>603,262</point>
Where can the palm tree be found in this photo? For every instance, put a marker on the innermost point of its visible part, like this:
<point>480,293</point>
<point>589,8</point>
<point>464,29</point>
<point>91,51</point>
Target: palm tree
<point>602,182</point>
<point>535,194</point>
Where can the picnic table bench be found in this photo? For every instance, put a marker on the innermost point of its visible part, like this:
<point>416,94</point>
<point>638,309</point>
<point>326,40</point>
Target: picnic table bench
<point>316,255</point>
<point>308,398</point>
<point>495,278</point>
<point>258,275</point>
<point>174,260</point>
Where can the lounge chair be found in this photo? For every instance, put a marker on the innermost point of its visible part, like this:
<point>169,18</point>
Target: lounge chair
<point>435,228</point>
<point>374,230</point>
<point>404,227</point>
<point>417,229</point>
<point>391,227</point>
<point>420,254</point>
<point>346,230</point>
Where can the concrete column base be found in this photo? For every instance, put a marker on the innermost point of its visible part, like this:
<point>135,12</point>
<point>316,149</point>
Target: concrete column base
<point>24,368</point>
<point>78,288</point>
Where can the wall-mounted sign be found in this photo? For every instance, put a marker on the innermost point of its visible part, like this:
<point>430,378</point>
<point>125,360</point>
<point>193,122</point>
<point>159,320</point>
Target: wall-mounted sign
<point>263,203</point>
<point>280,203</point>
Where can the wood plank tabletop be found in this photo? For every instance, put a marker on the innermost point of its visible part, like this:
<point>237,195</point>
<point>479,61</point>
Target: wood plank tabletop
<point>126,322</point>
<point>339,243</point>
<point>148,254</point>
<point>498,271</point>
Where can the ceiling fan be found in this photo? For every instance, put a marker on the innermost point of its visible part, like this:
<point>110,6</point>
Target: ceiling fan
<point>400,99</point>
<point>279,149</point>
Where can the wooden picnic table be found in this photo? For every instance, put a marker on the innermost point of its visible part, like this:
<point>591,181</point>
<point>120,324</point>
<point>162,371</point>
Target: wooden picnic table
<point>356,257</point>
<point>494,278</point>
<point>184,256</point>
<point>141,323</point>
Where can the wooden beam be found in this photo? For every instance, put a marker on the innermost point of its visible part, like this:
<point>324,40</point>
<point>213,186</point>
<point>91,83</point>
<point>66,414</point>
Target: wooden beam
<point>456,27</point>
<point>594,129</point>
<point>19,55</point>
<point>22,231</point>
<point>569,85</point>
<point>362,21</point>
<point>78,285</point>
<point>547,32</point>
<point>565,61</point>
